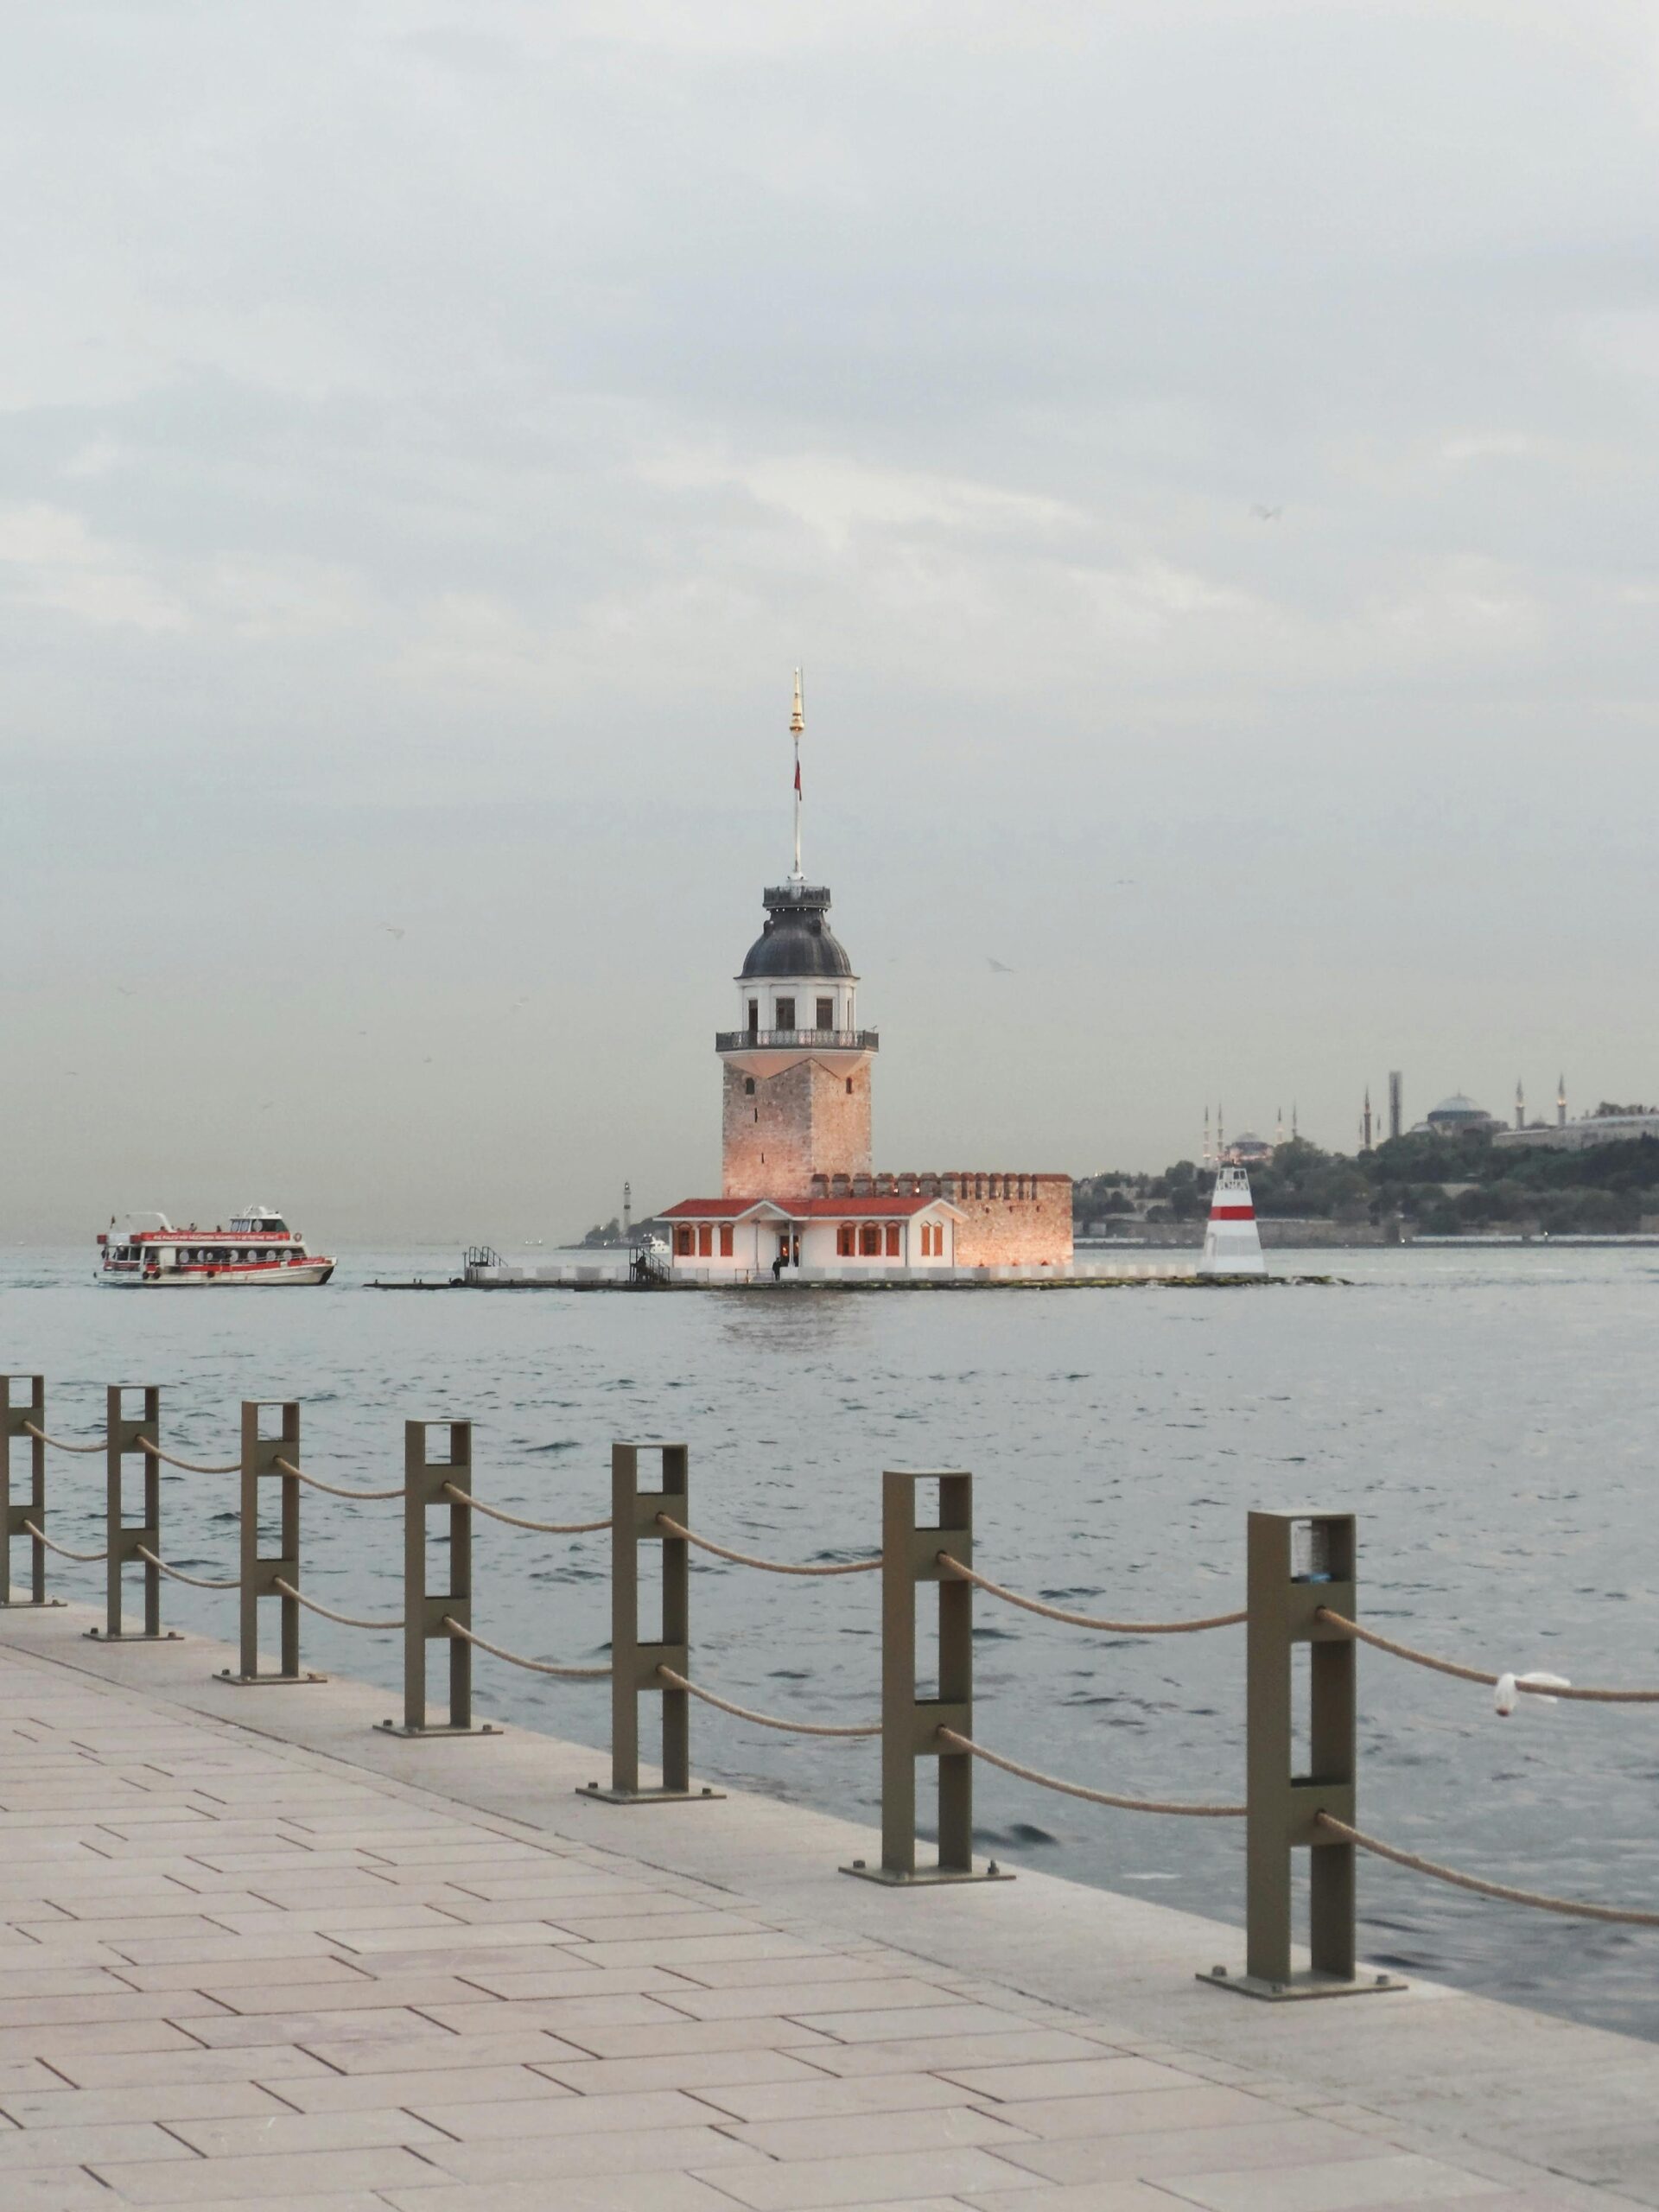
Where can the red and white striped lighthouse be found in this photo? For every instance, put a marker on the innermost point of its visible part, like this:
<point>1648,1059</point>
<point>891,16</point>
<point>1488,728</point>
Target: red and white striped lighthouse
<point>1232,1243</point>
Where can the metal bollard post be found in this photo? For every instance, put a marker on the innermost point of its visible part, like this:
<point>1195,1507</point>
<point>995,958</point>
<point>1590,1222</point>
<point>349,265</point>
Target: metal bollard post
<point>424,1479</point>
<point>1298,1562</point>
<point>260,1575</point>
<point>12,1518</point>
<point>910,1725</point>
<point>634,1664</point>
<point>125,1435</point>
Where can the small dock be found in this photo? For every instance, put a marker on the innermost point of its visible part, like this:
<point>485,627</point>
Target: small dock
<point>251,1950</point>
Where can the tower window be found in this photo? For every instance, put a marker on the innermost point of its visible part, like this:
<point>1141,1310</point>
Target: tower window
<point>849,1086</point>
<point>754,1017</point>
<point>784,1014</point>
<point>826,1014</point>
<point>748,1086</point>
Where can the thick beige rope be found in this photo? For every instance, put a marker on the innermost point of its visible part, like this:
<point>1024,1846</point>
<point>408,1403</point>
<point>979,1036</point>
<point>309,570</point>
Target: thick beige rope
<point>333,1489</point>
<point>1086,1620</point>
<point>57,1442</point>
<point>62,1550</point>
<point>190,1466</point>
<point>517,1521</point>
<point>1090,1796</point>
<point>196,1582</point>
<point>1627,1918</point>
<point>517,1659</point>
<point>765,1719</point>
<point>345,1620</point>
<point>1477,1675</point>
<point>767,1566</point>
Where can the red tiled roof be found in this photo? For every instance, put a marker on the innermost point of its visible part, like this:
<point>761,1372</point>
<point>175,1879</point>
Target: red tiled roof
<point>709,1209</point>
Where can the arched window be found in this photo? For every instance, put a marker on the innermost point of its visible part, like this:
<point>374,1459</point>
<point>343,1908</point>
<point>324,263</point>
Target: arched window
<point>847,1242</point>
<point>869,1240</point>
<point>748,1086</point>
<point>892,1240</point>
<point>685,1243</point>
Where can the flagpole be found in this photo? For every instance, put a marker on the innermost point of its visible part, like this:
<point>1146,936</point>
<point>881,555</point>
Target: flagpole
<point>796,725</point>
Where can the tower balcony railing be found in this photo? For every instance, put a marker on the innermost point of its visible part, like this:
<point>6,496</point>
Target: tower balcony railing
<point>817,1040</point>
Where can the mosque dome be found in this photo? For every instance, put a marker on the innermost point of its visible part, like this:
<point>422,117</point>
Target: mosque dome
<point>797,939</point>
<point>1457,1112</point>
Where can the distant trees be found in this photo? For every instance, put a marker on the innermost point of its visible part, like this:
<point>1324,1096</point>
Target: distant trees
<point>1440,1186</point>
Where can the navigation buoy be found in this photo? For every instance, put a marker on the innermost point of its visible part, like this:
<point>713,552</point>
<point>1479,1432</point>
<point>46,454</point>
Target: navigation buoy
<point>1232,1245</point>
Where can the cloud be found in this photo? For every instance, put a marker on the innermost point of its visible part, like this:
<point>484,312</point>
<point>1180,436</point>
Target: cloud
<point>48,558</point>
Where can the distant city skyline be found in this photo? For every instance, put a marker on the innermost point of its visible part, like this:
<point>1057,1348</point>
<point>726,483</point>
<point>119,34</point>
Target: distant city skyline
<point>1201,454</point>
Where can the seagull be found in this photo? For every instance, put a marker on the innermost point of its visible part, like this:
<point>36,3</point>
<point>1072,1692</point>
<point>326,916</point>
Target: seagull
<point>1265,514</point>
<point>999,967</point>
<point>124,990</point>
<point>391,929</point>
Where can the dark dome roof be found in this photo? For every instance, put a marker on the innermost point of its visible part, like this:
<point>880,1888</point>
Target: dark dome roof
<point>797,939</point>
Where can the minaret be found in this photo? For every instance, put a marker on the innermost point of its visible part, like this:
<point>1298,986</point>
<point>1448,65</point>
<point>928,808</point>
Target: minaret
<point>1279,1130</point>
<point>1366,1123</point>
<point>1206,1136</point>
<point>627,1212</point>
<point>1221,1140</point>
<point>796,1070</point>
<point>1520,1105</point>
<point>1560,1101</point>
<point>1294,1132</point>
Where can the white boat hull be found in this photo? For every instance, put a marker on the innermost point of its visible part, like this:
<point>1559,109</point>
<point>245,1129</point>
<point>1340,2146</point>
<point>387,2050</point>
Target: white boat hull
<point>221,1278</point>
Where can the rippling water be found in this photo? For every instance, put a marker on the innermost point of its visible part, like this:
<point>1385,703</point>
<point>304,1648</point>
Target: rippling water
<point>1490,1415</point>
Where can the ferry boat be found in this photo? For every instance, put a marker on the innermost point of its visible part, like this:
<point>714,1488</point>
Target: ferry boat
<point>258,1247</point>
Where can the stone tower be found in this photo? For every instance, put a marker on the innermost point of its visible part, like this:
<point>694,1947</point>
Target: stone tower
<point>796,1070</point>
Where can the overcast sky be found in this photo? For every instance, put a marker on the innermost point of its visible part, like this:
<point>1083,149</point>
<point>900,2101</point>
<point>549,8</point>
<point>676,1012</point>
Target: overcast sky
<point>430,433</point>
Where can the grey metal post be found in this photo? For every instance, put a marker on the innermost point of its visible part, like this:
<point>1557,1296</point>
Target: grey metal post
<point>1299,1562</point>
<point>16,1421</point>
<point>125,1435</point>
<point>910,1725</point>
<point>633,1663</point>
<point>260,1573</point>
<point>424,1610</point>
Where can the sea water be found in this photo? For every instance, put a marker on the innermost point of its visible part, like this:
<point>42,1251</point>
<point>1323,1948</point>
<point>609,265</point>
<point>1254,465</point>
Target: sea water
<point>1489,1416</point>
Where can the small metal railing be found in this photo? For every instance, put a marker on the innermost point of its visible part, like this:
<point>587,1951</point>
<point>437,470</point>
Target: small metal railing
<point>817,1040</point>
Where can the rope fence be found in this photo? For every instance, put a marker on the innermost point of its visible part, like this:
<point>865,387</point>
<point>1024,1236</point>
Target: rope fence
<point>63,1551</point>
<point>327,1612</point>
<point>1540,1900</point>
<point>767,1566</point>
<point>196,1582</point>
<point>518,1521</point>
<point>954,1567</point>
<point>1553,1689</point>
<point>58,1443</point>
<point>333,1489</point>
<point>190,1466</point>
<point>763,1719</point>
<point>961,1742</point>
<point>518,1658</point>
<point>1302,1723</point>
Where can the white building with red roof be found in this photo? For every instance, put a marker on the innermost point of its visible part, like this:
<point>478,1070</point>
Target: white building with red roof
<point>798,1193</point>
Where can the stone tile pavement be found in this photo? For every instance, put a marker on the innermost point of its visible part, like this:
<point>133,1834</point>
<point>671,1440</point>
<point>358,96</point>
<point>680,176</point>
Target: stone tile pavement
<point>239,1966</point>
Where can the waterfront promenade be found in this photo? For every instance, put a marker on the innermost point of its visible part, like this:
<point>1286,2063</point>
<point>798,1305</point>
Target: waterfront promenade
<point>251,1950</point>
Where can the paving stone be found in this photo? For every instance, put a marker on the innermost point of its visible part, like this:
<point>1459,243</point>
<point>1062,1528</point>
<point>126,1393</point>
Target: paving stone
<point>1338,2187</point>
<point>290,2178</point>
<point>866,2180</point>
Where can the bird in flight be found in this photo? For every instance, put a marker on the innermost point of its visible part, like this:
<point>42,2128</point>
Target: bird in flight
<point>1265,514</point>
<point>1001,967</point>
<point>391,929</point>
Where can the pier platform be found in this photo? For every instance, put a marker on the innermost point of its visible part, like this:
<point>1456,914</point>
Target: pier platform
<point>252,1951</point>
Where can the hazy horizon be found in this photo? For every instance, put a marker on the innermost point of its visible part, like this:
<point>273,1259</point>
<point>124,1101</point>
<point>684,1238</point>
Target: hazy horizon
<point>1203,455</point>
